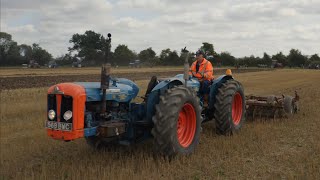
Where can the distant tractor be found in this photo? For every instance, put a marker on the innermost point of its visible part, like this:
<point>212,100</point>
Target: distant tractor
<point>52,64</point>
<point>171,113</point>
<point>135,64</point>
<point>314,66</point>
<point>276,64</point>
<point>78,63</point>
<point>33,64</point>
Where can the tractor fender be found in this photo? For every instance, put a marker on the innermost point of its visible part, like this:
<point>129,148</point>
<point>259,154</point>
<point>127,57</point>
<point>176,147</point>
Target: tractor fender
<point>169,83</point>
<point>157,91</point>
<point>216,84</point>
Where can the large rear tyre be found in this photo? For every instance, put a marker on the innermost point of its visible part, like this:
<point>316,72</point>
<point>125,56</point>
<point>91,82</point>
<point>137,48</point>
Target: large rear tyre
<point>229,107</point>
<point>177,122</point>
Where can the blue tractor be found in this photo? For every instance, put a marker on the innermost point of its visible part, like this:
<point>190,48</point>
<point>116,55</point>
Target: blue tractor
<point>171,112</point>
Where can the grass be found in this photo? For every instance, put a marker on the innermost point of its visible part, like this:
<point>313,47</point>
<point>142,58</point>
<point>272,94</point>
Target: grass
<point>284,148</point>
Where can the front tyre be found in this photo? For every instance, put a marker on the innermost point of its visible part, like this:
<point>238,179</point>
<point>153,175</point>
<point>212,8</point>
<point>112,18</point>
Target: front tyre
<point>229,107</point>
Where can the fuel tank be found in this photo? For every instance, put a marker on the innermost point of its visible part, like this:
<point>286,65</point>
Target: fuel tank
<point>120,90</point>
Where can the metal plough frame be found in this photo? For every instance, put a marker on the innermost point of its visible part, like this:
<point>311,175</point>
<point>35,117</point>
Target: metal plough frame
<point>269,106</point>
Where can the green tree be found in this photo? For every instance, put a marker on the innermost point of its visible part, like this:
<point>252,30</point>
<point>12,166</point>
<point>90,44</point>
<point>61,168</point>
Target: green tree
<point>5,36</point>
<point>123,55</point>
<point>227,59</point>
<point>12,54</point>
<point>207,47</point>
<point>314,58</point>
<point>281,58</point>
<point>147,56</point>
<point>266,59</point>
<point>313,61</point>
<point>250,61</point>
<point>91,46</point>
<point>296,58</point>
<point>66,59</point>
<point>13,57</point>
<point>5,43</point>
<point>9,51</point>
<point>174,59</point>
<point>169,58</point>
<point>40,55</point>
<point>164,57</point>
<point>26,52</point>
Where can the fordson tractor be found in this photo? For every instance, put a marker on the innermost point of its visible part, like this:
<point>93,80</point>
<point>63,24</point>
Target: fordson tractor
<point>171,112</point>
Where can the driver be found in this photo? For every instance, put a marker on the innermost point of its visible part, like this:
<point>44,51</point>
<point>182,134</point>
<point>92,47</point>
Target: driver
<point>202,69</point>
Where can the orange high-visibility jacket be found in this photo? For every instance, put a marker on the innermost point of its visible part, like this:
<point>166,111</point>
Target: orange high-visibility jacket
<point>205,70</point>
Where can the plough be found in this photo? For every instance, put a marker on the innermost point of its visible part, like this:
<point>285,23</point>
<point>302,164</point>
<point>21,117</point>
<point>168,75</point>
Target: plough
<point>271,106</point>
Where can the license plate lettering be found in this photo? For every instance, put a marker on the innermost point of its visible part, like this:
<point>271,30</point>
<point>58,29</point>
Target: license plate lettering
<point>59,126</point>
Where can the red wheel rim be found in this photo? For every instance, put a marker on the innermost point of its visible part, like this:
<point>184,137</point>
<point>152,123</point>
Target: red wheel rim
<point>186,127</point>
<point>236,108</point>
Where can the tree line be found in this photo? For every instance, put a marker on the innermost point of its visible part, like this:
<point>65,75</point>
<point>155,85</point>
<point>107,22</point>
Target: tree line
<point>91,49</point>
<point>12,54</point>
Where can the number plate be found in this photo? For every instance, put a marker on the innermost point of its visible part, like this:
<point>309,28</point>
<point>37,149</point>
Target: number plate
<point>59,126</point>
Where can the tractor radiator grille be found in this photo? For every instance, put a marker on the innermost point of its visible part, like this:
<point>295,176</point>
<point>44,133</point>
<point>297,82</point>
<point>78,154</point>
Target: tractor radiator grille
<point>60,104</point>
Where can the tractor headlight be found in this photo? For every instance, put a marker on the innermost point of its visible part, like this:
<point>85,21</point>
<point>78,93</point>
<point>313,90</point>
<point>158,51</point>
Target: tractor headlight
<point>51,114</point>
<point>67,115</point>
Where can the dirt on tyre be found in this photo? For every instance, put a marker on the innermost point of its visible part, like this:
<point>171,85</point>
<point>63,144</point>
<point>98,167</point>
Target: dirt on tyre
<point>229,107</point>
<point>177,122</point>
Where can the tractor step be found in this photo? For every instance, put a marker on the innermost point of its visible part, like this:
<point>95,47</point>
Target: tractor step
<point>112,128</point>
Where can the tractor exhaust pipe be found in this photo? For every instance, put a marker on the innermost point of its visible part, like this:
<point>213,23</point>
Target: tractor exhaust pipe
<point>186,66</point>
<point>105,76</point>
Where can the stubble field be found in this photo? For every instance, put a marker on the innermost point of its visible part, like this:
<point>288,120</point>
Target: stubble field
<point>267,149</point>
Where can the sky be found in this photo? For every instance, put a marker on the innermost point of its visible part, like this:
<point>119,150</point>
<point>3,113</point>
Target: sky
<point>241,27</point>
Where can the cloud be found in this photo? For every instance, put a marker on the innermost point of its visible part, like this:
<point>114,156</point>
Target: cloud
<point>242,27</point>
<point>29,28</point>
<point>288,12</point>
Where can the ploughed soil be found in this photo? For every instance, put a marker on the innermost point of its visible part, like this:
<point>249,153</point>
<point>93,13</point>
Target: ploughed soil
<point>46,81</point>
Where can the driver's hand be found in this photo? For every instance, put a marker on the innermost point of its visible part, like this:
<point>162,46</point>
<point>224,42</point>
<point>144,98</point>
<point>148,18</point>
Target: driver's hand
<point>202,74</point>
